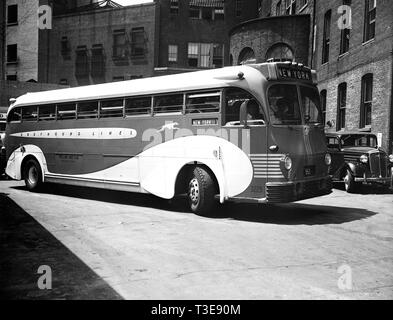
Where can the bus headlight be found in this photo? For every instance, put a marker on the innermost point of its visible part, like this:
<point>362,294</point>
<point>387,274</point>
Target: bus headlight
<point>363,158</point>
<point>288,163</point>
<point>391,158</point>
<point>328,159</point>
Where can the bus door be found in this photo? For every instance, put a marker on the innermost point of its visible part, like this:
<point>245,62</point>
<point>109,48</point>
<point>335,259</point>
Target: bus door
<point>245,123</point>
<point>296,131</point>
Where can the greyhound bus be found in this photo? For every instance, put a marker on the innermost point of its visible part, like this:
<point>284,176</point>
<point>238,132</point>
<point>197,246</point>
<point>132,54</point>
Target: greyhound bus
<point>250,133</point>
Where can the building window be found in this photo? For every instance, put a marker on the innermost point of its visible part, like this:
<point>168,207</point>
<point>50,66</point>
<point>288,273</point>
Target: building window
<point>290,7</point>
<point>195,12</point>
<point>63,82</point>
<point>280,51</point>
<point>172,53</point>
<point>119,44</point>
<point>246,55</point>
<point>345,33</point>
<point>219,14</point>
<point>205,55</point>
<point>118,78</point>
<point>218,56</point>
<point>12,77</point>
<point>65,48</point>
<point>138,42</point>
<point>323,105</point>
<point>341,106</point>
<point>12,14</point>
<point>369,20</point>
<point>279,8</point>
<point>239,7</point>
<point>367,100</point>
<point>97,61</point>
<point>12,53</point>
<point>326,37</point>
<point>82,62</point>
<point>174,9</point>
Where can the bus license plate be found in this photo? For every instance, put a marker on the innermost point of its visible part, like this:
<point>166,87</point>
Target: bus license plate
<point>309,171</point>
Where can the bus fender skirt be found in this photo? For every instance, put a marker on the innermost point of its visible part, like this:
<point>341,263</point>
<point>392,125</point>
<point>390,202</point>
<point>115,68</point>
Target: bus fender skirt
<point>14,163</point>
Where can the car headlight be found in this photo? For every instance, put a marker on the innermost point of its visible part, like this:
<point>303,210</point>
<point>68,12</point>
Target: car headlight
<point>328,159</point>
<point>288,163</point>
<point>363,158</point>
<point>391,157</point>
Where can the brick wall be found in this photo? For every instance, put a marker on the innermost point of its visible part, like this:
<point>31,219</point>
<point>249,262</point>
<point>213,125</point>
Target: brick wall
<point>179,29</point>
<point>97,27</point>
<point>25,35</point>
<point>261,34</point>
<point>374,57</point>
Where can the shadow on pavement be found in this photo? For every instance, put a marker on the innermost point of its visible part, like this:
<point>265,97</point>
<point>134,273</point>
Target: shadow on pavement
<point>367,189</point>
<point>293,214</point>
<point>284,214</point>
<point>25,245</point>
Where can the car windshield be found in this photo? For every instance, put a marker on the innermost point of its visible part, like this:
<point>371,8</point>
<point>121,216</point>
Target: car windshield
<point>358,140</point>
<point>284,105</point>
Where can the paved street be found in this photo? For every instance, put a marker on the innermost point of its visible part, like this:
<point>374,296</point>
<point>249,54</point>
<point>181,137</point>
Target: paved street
<point>103,244</point>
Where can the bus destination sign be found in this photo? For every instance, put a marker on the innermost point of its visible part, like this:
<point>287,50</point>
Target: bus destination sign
<point>285,72</point>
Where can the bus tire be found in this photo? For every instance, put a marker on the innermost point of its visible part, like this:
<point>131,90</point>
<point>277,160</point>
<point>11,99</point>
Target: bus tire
<point>32,175</point>
<point>350,185</point>
<point>201,191</point>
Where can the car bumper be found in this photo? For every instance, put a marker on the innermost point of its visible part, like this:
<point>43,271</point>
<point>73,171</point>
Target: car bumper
<point>299,190</point>
<point>381,180</point>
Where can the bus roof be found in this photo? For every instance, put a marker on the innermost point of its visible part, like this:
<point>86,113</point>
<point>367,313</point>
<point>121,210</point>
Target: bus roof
<point>244,76</point>
<point>199,80</point>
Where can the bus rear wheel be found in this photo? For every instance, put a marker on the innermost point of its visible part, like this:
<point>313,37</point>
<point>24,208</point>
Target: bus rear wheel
<point>32,174</point>
<point>201,191</point>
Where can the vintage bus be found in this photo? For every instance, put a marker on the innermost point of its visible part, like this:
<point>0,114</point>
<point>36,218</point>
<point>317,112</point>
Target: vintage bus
<point>251,133</point>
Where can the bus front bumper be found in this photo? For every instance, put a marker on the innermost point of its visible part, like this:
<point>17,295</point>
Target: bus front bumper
<point>282,192</point>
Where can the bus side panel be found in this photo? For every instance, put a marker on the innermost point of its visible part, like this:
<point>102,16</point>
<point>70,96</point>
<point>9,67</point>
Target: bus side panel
<point>160,165</point>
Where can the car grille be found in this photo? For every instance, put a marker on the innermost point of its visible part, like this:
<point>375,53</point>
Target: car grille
<point>378,164</point>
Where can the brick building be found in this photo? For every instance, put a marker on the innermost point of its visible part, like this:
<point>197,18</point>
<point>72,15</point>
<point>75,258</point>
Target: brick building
<point>271,37</point>
<point>2,39</point>
<point>21,40</point>
<point>93,44</point>
<point>354,66</point>
<point>194,34</point>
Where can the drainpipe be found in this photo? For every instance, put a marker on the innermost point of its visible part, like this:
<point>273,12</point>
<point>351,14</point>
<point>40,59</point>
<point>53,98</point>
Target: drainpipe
<point>313,34</point>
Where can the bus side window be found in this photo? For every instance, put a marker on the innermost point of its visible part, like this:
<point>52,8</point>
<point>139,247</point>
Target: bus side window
<point>66,111</point>
<point>138,106</point>
<point>111,108</point>
<point>15,115</point>
<point>203,102</point>
<point>30,113</point>
<point>168,104</point>
<point>47,112</point>
<point>88,110</point>
<point>235,97</point>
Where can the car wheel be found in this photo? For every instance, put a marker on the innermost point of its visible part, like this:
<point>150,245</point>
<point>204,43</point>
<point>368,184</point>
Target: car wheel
<point>201,191</point>
<point>32,175</point>
<point>349,182</point>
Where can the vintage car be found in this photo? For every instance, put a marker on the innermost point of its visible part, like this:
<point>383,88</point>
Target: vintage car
<point>357,159</point>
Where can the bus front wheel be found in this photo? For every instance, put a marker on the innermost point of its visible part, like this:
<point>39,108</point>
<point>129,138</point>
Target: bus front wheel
<point>201,191</point>
<point>32,175</point>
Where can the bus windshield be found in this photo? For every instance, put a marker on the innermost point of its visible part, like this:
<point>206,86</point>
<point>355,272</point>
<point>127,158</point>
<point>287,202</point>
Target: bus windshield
<point>284,105</point>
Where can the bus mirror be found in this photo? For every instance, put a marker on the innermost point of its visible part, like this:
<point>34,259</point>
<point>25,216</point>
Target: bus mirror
<point>243,113</point>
